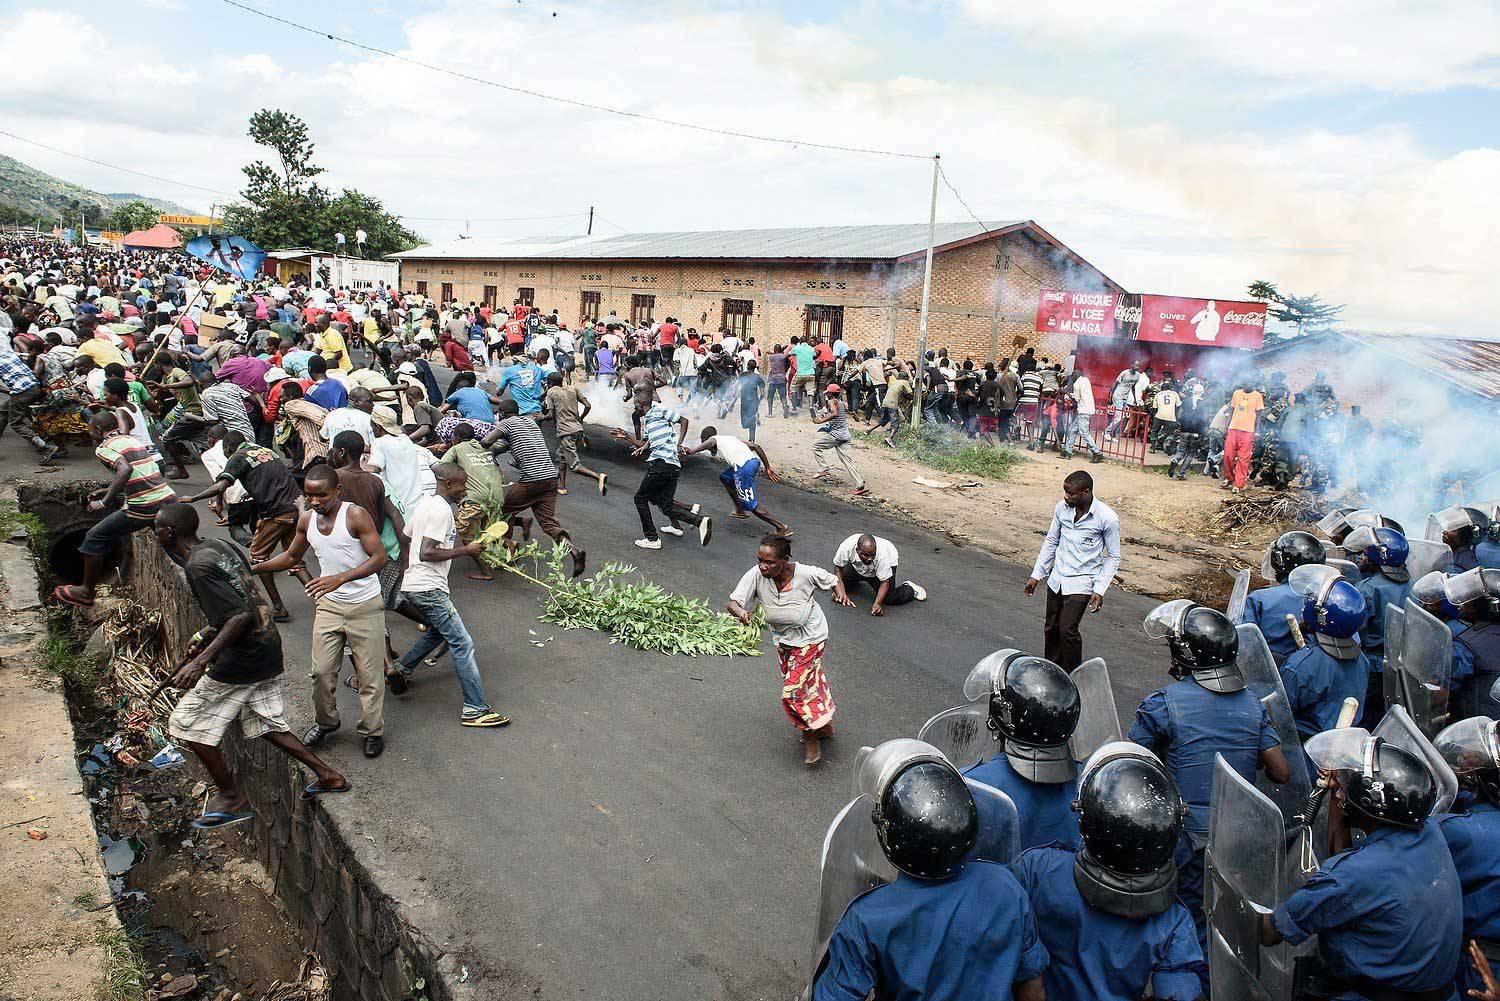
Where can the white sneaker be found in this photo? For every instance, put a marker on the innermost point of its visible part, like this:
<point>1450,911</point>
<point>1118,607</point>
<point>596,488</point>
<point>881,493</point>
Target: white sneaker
<point>918,591</point>
<point>705,530</point>
<point>672,530</point>
<point>695,508</point>
<point>649,543</point>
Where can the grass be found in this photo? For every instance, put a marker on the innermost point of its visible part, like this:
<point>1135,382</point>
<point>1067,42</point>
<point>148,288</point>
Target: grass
<point>951,451</point>
<point>64,659</point>
<point>86,900</point>
<point>12,517</point>
<point>124,973</point>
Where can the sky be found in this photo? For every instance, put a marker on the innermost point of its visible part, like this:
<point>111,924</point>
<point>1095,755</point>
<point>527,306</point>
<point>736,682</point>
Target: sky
<point>1345,148</point>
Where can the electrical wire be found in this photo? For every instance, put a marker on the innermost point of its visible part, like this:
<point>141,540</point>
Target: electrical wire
<point>567,100</point>
<point>519,218</point>
<point>115,166</point>
<point>1010,261</point>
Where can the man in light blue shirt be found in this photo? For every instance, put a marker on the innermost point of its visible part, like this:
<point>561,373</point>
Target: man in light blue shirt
<point>527,382</point>
<point>1078,560</point>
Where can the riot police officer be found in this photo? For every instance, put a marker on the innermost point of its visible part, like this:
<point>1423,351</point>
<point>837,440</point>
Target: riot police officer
<point>1207,711</point>
<point>1472,750</point>
<point>1268,607</point>
<point>1487,550</point>
<point>1381,555</point>
<point>1388,914</point>
<point>1427,591</point>
<point>1476,648</point>
<point>1034,708</point>
<point>1108,912</point>
<point>1462,528</point>
<point>945,928</point>
<point>1331,667</point>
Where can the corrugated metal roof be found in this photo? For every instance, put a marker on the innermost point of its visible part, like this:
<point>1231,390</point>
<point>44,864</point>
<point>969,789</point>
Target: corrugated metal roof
<point>836,242</point>
<point>1472,365</point>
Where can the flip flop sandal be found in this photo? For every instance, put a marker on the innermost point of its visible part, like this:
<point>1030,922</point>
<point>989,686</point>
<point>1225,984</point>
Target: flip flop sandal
<point>489,719</point>
<point>216,819</point>
<point>64,594</point>
<point>316,789</point>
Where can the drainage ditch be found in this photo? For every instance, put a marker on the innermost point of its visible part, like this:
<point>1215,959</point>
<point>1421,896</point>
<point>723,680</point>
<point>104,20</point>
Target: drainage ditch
<point>276,910</point>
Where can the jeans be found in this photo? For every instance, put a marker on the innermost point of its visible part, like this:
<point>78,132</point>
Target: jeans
<point>444,626</point>
<point>1074,432</point>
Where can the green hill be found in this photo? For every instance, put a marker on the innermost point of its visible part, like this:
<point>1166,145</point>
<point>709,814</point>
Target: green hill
<point>28,195</point>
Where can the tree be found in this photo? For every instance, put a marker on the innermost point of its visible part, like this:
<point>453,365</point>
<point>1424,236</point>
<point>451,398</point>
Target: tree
<point>1308,313</point>
<point>286,207</point>
<point>132,216</point>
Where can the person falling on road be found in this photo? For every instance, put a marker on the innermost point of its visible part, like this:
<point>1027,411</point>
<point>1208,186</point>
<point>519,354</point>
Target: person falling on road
<point>742,461</point>
<point>868,559</point>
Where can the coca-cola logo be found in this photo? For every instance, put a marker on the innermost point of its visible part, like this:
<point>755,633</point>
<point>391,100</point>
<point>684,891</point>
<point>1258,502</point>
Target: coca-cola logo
<point>1128,314</point>
<point>1256,319</point>
<point>1053,296</point>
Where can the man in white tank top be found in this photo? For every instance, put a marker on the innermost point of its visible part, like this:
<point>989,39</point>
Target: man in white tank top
<point>347,598</point>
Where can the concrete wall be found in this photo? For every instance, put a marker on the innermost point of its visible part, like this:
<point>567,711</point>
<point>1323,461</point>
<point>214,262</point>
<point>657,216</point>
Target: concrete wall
<point>984,295</point>
<point>368,945</point>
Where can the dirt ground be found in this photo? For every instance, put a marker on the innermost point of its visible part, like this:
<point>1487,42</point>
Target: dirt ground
<point>1169,546</point>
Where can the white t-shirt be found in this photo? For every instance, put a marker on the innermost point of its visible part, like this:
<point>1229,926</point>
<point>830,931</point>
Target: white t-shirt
<point>734,452</point>
<point>883,567</point>
<point>794,618</point>
<point>405,466</point>
<point>432,518</point>
<point>347,419</point>
<point>540,342</point>
<point>214,460</point>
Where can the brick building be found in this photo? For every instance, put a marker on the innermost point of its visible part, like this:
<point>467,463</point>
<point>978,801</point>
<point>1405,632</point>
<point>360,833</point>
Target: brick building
<point>859,283</point>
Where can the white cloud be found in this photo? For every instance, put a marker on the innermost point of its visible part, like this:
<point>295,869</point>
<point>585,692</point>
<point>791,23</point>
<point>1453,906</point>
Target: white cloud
<point>1368,218</point>
<point>1384,45</point>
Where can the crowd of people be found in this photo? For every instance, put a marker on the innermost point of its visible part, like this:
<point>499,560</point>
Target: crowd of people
<point>1026,869</point>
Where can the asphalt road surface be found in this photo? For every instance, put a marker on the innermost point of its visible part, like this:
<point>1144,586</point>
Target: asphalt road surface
<point>645,828</point>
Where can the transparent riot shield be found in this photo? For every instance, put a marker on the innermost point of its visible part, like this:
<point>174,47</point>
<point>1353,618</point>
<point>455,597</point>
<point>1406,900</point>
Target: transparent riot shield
<point>1238,596</point>
<point>1426,557</point>
<point>1098,722</point>
<point>1392,677</point>
<point>962,734</point>
<point>853,864</point>
<point>1398,728</point>
<point>1258,669</point>
<point>1427,664</point>
<point>999,825</point>
<point>1243,880</point>
<point>1347,570</point>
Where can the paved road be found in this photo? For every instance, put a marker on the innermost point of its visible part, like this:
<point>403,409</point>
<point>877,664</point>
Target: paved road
<point>645,829</point>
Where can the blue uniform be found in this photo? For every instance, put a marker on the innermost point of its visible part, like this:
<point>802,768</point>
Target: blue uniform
<point>1317,683</point>
<point>1464,559</point>
<point>1268,608</point>
<point>1473,838</point>
<point>969,938</point>
<point>1045,808</point>
<point>1478,646</point>
<point>1389,911</point>
<point>1101,956</point>
<point>1488,554</point>
<point>1379,591</point>
<point>1463,657</point>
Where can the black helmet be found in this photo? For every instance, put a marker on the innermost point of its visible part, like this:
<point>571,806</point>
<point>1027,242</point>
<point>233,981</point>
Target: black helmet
<point>1130,818</point>
<point>1472,749</point>
<point>1035,706</point>
<point>926,820</point>
<point>1292,550</point>
<point>1386,783</point>
<point>1204,643</point>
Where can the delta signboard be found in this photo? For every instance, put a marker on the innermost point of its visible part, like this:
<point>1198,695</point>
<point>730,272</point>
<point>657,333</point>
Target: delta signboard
<point>1165,318</point>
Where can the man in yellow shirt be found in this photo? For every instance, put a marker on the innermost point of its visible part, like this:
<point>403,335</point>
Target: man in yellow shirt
<point>330,344</point>
<point>96,345</point>
<point>1239,441</point>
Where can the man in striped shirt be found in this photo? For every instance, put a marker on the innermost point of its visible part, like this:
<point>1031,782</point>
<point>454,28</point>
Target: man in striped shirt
<point>663,430</point>
<point>536,488</point>
<point>138,481</point>
<point>22,388</point>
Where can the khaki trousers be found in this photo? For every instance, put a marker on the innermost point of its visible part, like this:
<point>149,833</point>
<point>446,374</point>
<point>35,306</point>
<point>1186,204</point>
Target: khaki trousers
<point>361,627</point>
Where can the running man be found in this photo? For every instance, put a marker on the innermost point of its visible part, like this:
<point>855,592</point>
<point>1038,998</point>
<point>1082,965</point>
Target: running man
<point>567,408</point>
<point>663,429</point>
<point>742,462</point>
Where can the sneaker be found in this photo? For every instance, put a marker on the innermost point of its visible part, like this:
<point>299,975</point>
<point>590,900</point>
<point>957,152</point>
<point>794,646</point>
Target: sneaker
<point>918,591</point>
<point>705,530</point>
<point>650,543</point>
<point>603,487</point>
<point>671,530</point>
<point>482,718</point>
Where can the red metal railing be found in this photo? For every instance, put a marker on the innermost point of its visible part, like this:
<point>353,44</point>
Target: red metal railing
<point>1119,432</point>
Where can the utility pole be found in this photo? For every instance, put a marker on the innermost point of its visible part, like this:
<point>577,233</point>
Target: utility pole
<point>590,231</point>
<point>917,378</point>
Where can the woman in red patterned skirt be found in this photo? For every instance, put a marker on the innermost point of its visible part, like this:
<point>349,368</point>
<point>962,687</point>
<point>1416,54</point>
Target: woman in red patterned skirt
<point>785,589</point>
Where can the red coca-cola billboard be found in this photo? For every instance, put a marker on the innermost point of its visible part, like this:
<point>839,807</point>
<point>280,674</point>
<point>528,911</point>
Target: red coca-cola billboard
<point>1089,313</point>
<point>1205,322</point>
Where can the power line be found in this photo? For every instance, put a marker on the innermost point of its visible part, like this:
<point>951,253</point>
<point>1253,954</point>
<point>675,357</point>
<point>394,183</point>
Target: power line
<point>115,166</point>
<point>519,218</point>
<point>567,100</point>
<point>1010,261</point>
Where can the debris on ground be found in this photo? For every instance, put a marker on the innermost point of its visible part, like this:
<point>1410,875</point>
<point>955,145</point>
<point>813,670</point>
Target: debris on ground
<point>1248,519</point>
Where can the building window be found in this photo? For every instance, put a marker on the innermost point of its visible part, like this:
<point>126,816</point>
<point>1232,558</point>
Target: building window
<point>641,308</point>
<point>826,322</point>
<point>588,310</point>
<point>491,294</point>
<point>447,291</point>
<point>737,317</point>
<point>526,295</point>
<point>422,288</point>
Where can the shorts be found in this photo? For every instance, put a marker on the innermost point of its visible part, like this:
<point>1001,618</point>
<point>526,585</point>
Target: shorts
<point>567,450</point>
<point>742,482</point>
<point>469,520</point>
<point>109,530</point>
<point>277,530</point>
<point>566,362</point>
<point>203,715</point>
<point>390,583</point>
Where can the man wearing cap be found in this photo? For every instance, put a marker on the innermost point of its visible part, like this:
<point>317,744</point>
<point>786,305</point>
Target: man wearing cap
<point>833,435</point>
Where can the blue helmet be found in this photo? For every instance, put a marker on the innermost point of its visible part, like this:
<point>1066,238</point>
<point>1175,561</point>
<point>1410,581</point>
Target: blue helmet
<point>1386,548</point>
<point>1332,608</point>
